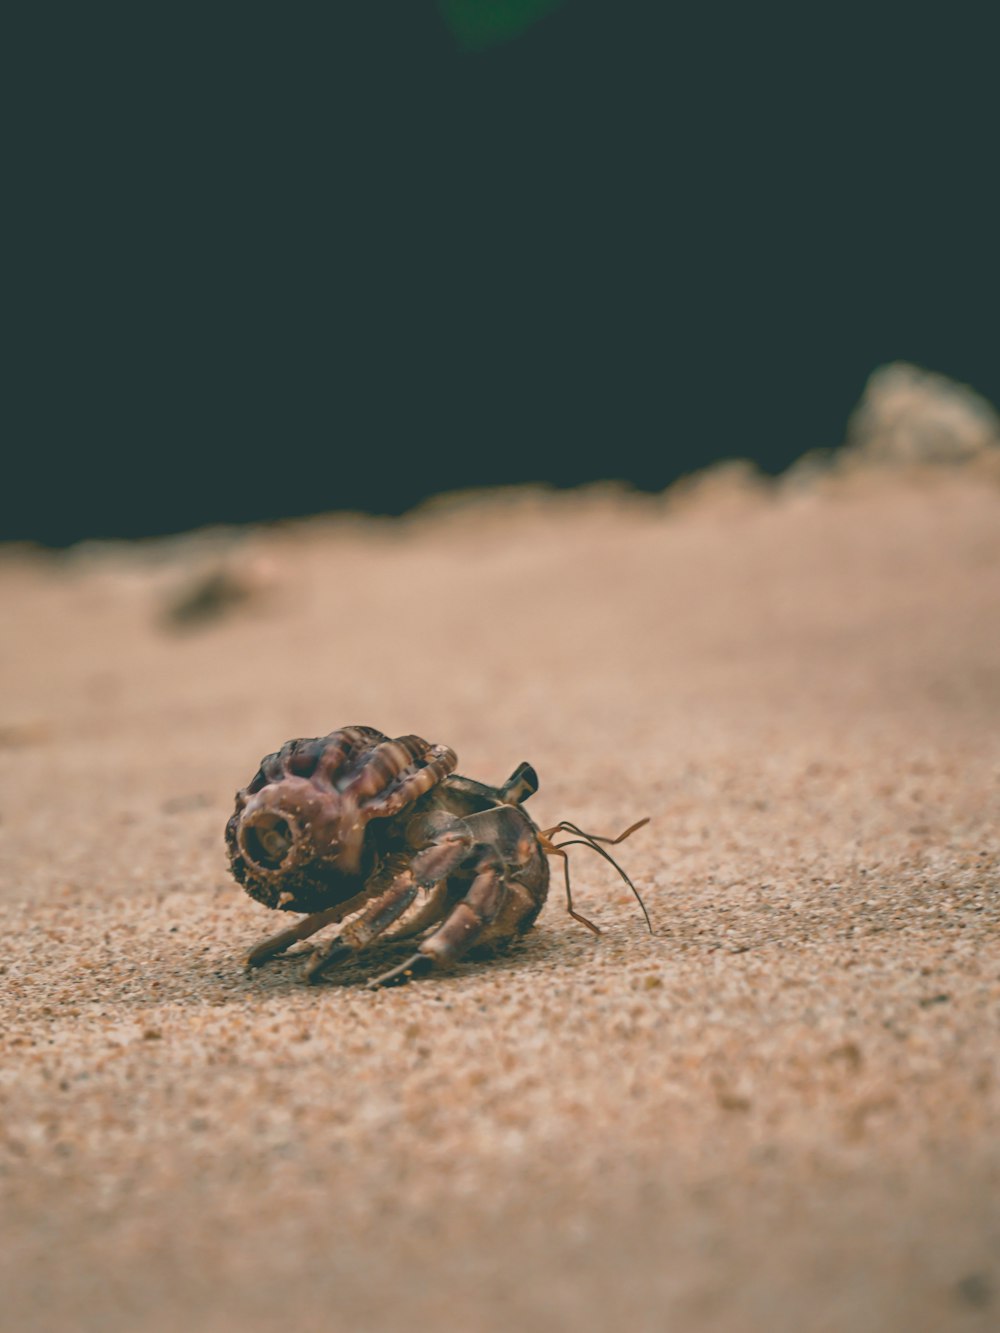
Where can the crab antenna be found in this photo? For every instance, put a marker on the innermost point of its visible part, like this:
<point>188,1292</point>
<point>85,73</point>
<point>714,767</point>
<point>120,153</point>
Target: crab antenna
<point>597,837</point>
<point>587,841</point>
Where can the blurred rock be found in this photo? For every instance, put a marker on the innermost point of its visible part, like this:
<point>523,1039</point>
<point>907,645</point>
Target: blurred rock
<point>908,415</point>
<point>213,594</point>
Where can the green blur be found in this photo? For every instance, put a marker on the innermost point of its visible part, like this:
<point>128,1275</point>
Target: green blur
<point>478,24</point>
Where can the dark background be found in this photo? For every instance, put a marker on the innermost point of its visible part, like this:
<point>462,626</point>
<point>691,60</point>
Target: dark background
<point>274,261</point>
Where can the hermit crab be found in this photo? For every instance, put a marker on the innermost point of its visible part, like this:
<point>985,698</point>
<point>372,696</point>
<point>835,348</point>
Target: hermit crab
<point>383,835</point>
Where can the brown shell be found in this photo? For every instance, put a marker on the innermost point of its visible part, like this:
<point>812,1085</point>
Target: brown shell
<point>296,839</point>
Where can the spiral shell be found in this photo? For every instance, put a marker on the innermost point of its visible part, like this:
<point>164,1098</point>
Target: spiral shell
<point>297,838</point>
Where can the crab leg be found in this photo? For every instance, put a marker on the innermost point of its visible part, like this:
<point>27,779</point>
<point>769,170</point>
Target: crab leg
<point>462,928</point>
<point>309,925</point>
<point>426,914</point>
<point>446,844</point>
<point>417,965</point>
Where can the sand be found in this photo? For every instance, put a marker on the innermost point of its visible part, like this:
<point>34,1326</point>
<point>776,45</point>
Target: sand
<point>780,1112</point>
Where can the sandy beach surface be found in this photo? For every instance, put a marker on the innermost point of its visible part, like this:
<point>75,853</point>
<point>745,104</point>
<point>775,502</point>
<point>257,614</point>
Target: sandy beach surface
<point>779,1112</point>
